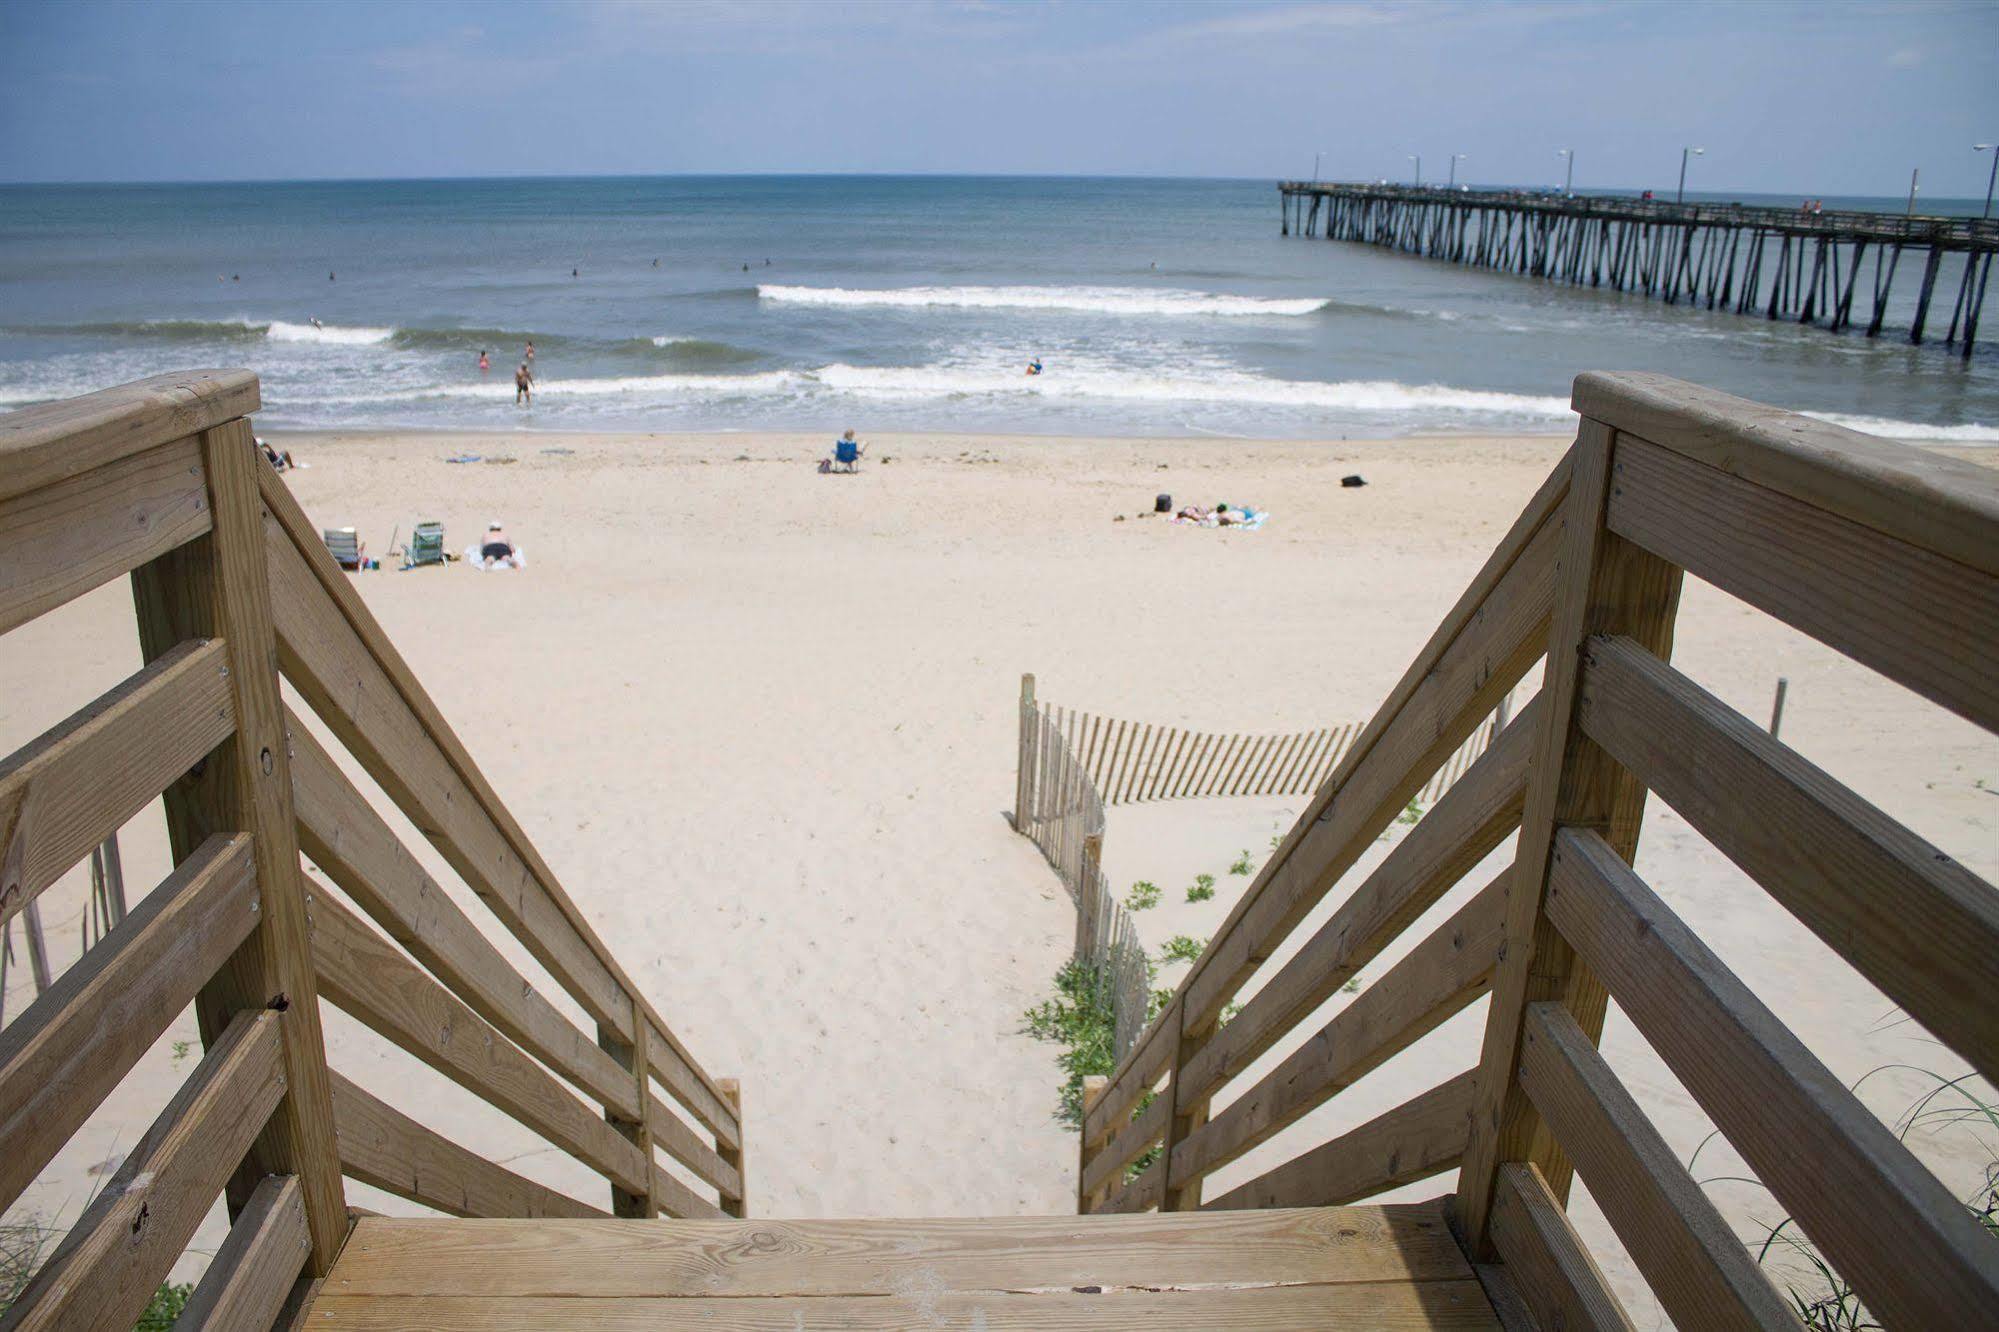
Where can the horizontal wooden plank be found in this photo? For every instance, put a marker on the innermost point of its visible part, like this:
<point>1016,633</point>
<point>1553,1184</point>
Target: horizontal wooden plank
<point>1432,1306</point>
<point>1914,1253</point>
<point>1915,922</point>
<point>251,1275</point>
<point>1463,685</point>
<point>1127,1144</point>
<point>46,444</point>
<point>334,671</point>
<point>1703,1274</point>
<point>288,519</point>
<point>76,784</point>
<point>370,981</point>
<point>1945,504</point>
<point>59,543</point>
<point>672,1136</point>
<point>382,1146</point>
<point>1551,1266</point>
<point>1474,817</point>
<point>114,1258</point>
<point>675,1199</point>
<point>1917,617</point>
<point>391,1256</point>
<point>344,836</point>
<point>61,1057</point>
<point>1423,1136</point>
<point>1432,982</point>
<point>1140,1192</point>
<point>1136,1073</point>
<point>672,1068</point>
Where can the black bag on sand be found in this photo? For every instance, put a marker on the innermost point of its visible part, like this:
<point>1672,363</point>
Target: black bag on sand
<point>1162,504</point>
<point>1355,480</point>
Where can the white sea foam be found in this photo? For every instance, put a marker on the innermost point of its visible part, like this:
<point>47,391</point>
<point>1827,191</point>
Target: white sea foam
<point>1085,300</point>
<point>332,334</point>
<point>1890,429</point>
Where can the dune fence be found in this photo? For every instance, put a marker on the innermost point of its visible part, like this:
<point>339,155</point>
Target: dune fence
<point>1073,765</point>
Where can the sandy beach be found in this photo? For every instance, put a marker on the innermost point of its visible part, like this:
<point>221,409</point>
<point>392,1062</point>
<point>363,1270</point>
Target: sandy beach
<point>761,722</point>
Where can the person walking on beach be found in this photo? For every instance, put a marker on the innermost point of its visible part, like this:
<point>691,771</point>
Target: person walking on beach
<point>523,386</point>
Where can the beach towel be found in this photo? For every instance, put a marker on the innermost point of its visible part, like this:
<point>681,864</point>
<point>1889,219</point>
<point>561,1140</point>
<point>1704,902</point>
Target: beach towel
<point>477,563</point>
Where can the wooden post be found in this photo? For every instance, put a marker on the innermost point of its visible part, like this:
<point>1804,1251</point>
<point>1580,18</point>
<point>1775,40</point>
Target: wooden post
<point>1777,706</point>
<point>1023,792</point>
<point>218,586</point>
<point>1089,894</point>
<point>732,1092</point>
<point>1606,585</point>
<point>1188,1116</point>
<point>1093,1090</point>
<point>633,1056</point>
<point>38,949</point>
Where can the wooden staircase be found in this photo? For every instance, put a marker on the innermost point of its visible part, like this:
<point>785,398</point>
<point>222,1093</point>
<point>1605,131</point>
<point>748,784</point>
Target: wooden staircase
<point>1884,554</point>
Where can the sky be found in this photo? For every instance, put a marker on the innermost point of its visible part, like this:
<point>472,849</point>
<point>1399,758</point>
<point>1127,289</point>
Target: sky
<point>1804,98</point>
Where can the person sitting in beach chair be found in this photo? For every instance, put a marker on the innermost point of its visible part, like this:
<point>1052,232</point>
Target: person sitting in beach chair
<point>847,453</point>
<point>346,547</point>
<point>426,546</point>
<point>280,459</point>
<point>496,551</point>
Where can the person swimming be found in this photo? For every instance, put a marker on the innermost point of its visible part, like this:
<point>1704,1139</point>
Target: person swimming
<point>1034,366</point>
<point>484,364</point>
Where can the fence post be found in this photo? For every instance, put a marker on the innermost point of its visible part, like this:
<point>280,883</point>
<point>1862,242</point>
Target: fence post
<point>632,1055</point>
<point>218,586</point>
<point>1089,897</point>
<point>1777,706</point>
<point>1093,1090</point>
<point>1023,786</point>
<point>1175,1196</point>
<point>1604,585</point>
<point>732,1092</point>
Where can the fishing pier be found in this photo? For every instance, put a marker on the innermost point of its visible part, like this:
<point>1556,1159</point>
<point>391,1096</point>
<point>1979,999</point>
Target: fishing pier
<point>1792,264</point>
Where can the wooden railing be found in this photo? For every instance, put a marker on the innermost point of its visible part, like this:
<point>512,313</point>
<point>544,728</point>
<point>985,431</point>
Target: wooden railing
<point>161,480</point>
<point>1888,555</point>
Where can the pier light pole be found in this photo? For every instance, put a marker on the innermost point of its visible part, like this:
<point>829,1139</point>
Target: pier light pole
<point>1455,159</point>
<point>1568,171</point>
<point>1914,176</point>
<point>1315,166</point>
<point>1992,176</point>
<point>1681,197</point>
<point>1417,158</point>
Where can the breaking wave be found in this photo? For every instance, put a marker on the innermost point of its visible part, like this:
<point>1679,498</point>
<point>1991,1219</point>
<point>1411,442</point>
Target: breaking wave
<point>1083,300</point>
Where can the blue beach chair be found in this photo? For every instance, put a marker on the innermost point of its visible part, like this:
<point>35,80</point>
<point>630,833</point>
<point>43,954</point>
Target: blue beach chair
<point>846,454</point>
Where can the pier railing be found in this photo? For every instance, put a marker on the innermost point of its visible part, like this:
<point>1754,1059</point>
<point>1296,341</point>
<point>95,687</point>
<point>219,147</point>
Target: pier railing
<point>162,481</point>
<point>1887,555</point>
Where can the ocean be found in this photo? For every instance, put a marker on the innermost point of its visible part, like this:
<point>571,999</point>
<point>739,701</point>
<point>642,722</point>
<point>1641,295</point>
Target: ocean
<point>1156,307</point>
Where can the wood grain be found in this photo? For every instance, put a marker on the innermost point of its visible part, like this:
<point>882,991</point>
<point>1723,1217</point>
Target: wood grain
<point>390,1256</point>
<point>367,979</point>
<point>1432,982</point>
<point>76,784</point>
<point>1914,921</point>
<point>1703,1274</point>
<point>46,444</point>
<point>61,1057</point>
<point>1914,1253</point>
<point>1423,1136</point>
<point>121,1248</point>
<point>1920,618</point>
<point>1552,1269</point>
<point>382,1146</point>
<point>252,1274</point>
<point>59,542</point>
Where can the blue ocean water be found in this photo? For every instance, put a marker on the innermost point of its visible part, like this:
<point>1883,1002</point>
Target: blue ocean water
<point>1155,306</point>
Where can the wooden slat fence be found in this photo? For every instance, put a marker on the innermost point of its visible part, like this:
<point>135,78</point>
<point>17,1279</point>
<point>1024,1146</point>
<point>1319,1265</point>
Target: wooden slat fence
<point>1889,556</point>
<point>161,481</point>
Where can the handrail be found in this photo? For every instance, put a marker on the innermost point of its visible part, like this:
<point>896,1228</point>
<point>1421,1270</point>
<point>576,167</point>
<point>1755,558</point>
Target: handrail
<point>161,480</point>
<point>1889,556</point>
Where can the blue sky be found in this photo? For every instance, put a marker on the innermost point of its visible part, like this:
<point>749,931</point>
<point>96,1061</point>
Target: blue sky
<point>1787,97</point>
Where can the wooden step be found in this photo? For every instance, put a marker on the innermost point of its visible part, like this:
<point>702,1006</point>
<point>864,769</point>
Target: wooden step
<point>1336,1267</point>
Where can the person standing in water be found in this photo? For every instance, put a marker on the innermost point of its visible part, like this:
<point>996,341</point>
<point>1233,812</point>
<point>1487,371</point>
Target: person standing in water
<point>523,386</point>
<point>484,364</point>
<point>530,351</point>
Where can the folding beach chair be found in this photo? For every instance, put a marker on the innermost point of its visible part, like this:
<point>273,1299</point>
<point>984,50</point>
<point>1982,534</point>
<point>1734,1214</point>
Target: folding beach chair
<point>346,547</point>
<point>846,453</point>
<point>426,546</point>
